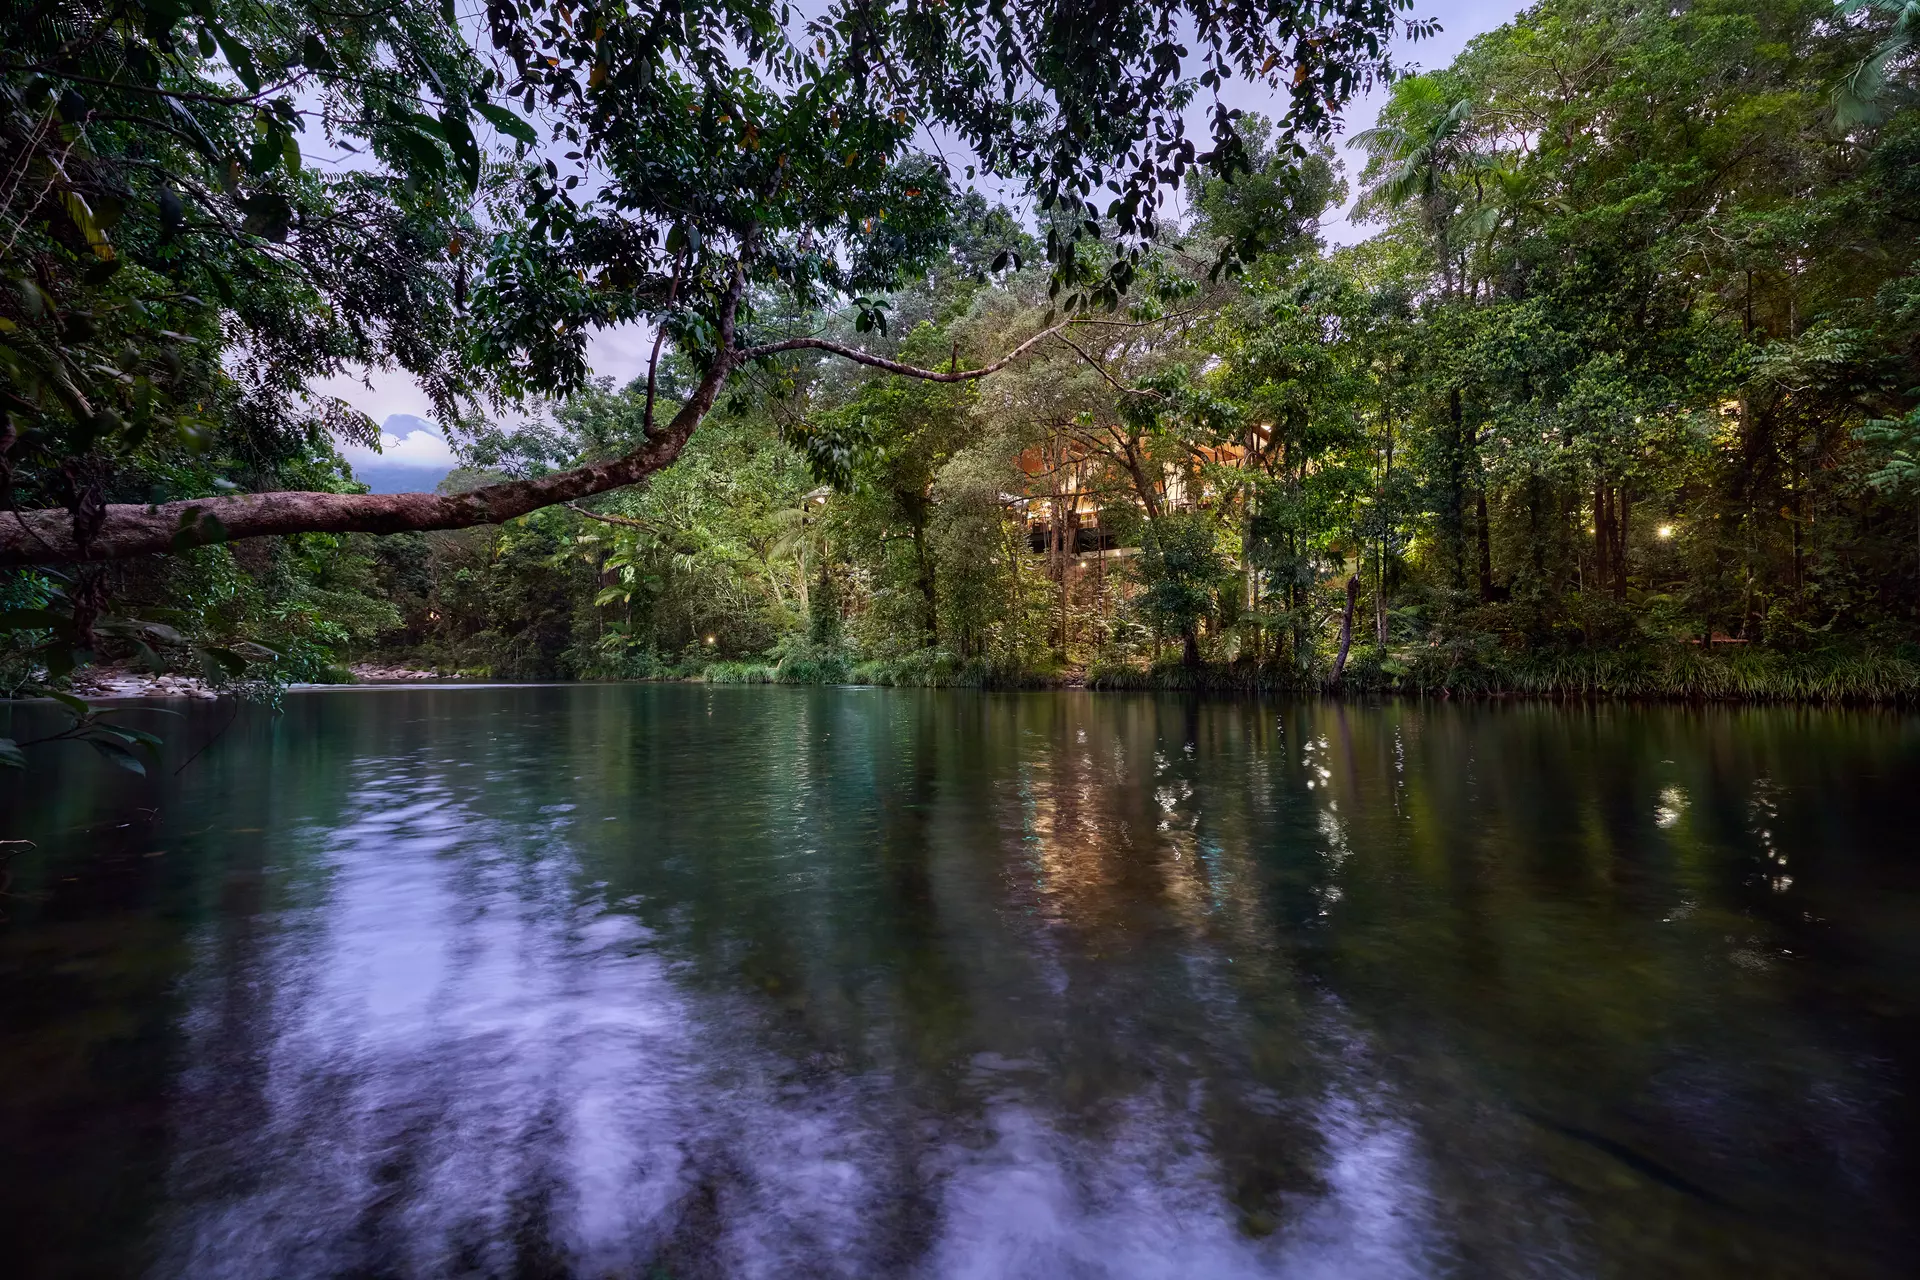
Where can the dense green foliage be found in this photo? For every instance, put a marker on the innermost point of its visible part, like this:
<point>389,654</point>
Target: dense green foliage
<point>1617,401</point>
<point>1620,398</point>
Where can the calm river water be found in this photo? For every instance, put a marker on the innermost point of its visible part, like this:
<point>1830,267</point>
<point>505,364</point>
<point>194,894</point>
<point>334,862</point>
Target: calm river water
<point>679,981</point>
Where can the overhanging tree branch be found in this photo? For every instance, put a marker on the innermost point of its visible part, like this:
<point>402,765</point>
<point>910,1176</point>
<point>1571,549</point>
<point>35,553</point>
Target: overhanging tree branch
<point>132,529</point>
<point>47,536</point>
<point>904,370</point>
<point>1101,369</point>
<point>624,522</point>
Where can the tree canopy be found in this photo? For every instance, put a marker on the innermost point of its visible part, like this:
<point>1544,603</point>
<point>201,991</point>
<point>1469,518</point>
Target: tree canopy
<point>183,270</point>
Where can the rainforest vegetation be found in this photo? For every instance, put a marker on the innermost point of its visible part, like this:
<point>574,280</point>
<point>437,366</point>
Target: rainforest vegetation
<point>1619,397</point>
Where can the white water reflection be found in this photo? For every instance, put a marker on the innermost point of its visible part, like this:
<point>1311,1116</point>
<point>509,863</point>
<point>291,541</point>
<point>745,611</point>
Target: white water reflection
<point>1148,1203</point>
<point>431,1061</point>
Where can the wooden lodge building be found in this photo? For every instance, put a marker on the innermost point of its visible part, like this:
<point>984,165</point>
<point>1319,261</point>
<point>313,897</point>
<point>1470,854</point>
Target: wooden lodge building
<point>1065,494</point>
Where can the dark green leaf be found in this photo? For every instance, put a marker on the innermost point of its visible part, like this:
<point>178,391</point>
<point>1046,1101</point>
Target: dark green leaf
<point>239,58</point>
<point>223,659</point>
<point>60,658</point>
<point>140,736</point>
<point>118,753</point>
<point>78,706</point>
<point>466,151</point>
<point>508,123</point>
<point>315,54</point>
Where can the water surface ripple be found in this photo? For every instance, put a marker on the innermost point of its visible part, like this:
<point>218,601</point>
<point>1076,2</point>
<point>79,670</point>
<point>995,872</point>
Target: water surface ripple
<point>678,981</point>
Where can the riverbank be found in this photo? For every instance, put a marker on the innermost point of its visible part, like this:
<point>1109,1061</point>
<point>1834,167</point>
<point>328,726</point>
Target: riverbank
<point>1676,673</point>
<point>106,682</point>
<point>1679,673</point>
<point>927,669</point>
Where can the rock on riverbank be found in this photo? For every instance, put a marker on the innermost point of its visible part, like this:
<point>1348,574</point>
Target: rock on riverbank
<point>115,682</point>
<point>386,673</point>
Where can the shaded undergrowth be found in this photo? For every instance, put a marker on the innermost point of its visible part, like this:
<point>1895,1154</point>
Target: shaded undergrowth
<point>1665,673</point>
<point>928,668</point>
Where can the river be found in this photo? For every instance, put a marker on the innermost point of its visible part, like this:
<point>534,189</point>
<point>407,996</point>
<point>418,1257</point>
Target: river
<point>684,981</point>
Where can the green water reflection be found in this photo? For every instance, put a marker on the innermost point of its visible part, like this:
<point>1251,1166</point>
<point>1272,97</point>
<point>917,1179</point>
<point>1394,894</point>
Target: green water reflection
<point>687,981</point>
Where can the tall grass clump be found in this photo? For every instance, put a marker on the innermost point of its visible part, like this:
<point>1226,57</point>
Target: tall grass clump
<point>741,673</point>
<point>941,669</point>
<point>1676,672</point>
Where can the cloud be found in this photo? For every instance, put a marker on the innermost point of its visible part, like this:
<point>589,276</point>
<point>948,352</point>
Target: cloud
<point>620,352</point>
<point>405,442</point>
<point>379,393</point>
<point>413,457</point>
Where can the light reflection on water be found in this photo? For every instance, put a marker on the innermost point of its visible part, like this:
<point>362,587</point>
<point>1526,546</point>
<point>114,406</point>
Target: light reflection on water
<point>675,981</point>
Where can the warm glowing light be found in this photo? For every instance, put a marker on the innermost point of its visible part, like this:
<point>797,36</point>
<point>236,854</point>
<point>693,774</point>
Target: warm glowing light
<point>1665,531</point>
<point>709,639</point>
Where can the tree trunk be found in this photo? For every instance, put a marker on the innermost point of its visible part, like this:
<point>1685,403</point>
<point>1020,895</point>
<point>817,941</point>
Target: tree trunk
<point>1386,524</point>
<point>1346,629</point>
<point>1380,600</point>
<point>1250,596</point>
<point>1623,518</point>
<point>1799,541</point>
<point>1066,602</point>
<point>1063,540</point>
<point>1486,546</point>
<point>1602,536</point>
<point>1190,644</point>
<point>1612,508</point>
<point>1456,490</point>
<point>1100,596</point>
<point>1015,541</point>
<point>1058,549</point>
<point>1142,486</point>
<point>923,578</point>
<point>124,530</point>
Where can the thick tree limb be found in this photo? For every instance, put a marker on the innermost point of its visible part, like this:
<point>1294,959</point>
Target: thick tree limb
<point>46,536</point>
<point>132,529</point>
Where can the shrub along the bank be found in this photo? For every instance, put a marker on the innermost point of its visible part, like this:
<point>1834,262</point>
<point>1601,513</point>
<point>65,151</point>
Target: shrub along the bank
<point>742,673</point>
<point>939,669</point>
<point>1665,672</point>
<point>1654,672</point>
<point>926,668</point>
